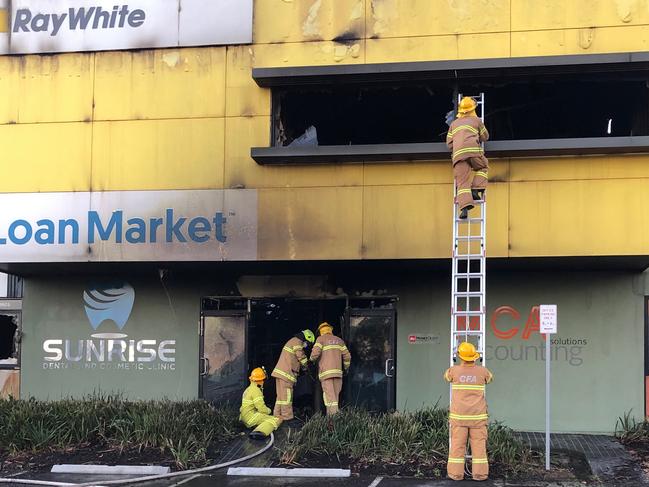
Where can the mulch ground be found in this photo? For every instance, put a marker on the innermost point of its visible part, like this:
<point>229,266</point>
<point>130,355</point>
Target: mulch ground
<point>101,454</point>
<point>639,449</point>
<point>566,466</point>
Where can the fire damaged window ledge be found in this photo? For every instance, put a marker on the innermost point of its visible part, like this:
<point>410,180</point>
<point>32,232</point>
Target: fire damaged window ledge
<point>331,154</point>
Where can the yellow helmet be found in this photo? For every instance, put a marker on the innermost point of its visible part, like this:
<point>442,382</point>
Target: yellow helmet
<point>325,328</point>
<point>309,336</point>
<point>467,352</point>
<point>467,105</point>
<point>258,375</point>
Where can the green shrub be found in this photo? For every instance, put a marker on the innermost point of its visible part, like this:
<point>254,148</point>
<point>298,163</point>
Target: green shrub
<point>184,429</point>
<point>629,430</point>
<point>418,438</point>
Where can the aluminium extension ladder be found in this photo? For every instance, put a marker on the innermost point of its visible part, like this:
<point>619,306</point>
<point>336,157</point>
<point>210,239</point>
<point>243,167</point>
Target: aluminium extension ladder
<point>468,275</point>
<point>468,304</point>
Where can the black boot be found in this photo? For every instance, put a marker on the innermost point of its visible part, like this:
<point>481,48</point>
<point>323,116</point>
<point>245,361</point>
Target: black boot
<point>464,213</point>
<point>477,194</point>
<point>257,435</point>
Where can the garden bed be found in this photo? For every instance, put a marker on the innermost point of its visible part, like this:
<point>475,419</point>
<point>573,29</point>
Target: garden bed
<point>35,434</point>
<point>414,445</point>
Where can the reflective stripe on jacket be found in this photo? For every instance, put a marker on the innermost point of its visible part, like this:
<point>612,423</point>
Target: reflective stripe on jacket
<point>464,138</point>
<point>332,356</point>
<point>468,403</point>
<point>290,361</point>
<point>252,404</point>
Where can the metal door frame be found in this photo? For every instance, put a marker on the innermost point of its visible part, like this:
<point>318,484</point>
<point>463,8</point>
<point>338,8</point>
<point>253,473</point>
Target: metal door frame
<point>392,379</point>
<point>202,370</point>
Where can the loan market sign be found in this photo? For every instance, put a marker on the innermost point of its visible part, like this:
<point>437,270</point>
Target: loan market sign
<point>39,26</point>
<point>113,226</point>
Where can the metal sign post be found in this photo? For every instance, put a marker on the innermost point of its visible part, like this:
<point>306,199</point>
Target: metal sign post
<point>548,319</point>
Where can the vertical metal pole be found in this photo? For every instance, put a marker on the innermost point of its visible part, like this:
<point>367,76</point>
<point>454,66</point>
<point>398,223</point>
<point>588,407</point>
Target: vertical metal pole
<point>547,401</point>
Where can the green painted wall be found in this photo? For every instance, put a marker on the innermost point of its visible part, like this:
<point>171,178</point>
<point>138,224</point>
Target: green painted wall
<point>594,381</point>
<point>54,309</point>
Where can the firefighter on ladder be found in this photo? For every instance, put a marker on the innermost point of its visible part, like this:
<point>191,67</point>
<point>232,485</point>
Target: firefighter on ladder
<point>291,360</point>
<point>468,414</point>
<point>465,136</point>
<point>253,411</point>
<point>332,356</point>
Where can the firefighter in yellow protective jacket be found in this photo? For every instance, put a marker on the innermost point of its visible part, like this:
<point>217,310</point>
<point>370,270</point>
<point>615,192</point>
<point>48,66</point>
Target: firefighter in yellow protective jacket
<point>464,138</point>
<point>253,410</point>
<point>332,356</point>
<point>291,360</point>
<point>468,414</point>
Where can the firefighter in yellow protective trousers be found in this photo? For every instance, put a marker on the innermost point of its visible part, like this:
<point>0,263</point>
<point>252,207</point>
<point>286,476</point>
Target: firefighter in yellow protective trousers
<point>468,414</point>
<point>291,360</point>
<point>464,138</point>
<point>332,355</point>
<point>253,410</point>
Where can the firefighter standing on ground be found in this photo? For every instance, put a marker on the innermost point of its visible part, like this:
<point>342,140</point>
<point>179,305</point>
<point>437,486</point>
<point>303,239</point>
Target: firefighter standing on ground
<point>253,411</point>
<point>291,360</point>
<point>464,138</point>
<point>468,414</point>
<point>332,355</point>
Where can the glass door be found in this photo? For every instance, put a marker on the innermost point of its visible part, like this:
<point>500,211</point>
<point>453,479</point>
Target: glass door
<point>370,336</point>
<point>223,364</point>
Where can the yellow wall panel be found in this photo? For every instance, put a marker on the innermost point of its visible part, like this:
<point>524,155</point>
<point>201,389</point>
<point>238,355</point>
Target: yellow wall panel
<point>279,21</point>
<point>384,174</point>
<point>45,157</point>
<point>160,154</point>
<point>407,220</point>
<point>415,221</point>
<point>162,83</point>
<point>412,49</point>
<point>477,46</point>
<point>585,167</point>
<point>564,218</point>
<point>310,223</point>
<point>437,48</point>
<point>242,133</point>
<point>580,41</point>
<point>402,18</point>
<point>556,14</point>
<point>46,88</point>
<point>308,53</point>
<point>243,97</point>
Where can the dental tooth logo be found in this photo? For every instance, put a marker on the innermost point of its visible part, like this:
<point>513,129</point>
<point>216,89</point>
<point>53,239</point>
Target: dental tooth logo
<point>109,301</point>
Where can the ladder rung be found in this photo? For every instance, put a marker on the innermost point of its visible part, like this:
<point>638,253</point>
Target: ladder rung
<point>464,275</point>
<point>468,313</point>
<point>469,220</point>
<point>469,332</point>
<point>468,293</point>
<point>458,256</point>
<point>469,237</point>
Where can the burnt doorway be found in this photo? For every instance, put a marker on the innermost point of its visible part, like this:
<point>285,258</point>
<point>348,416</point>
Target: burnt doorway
<point>273,321</point>
<point>370,334</point>
<point>223,367</point>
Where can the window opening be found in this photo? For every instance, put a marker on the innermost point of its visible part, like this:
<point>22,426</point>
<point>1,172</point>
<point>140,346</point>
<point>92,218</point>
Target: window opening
<point>519,107</point>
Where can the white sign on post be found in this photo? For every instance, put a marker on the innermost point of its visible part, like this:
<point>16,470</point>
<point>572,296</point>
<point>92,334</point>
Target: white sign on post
<point>548,325</point>
<point>548,318</point>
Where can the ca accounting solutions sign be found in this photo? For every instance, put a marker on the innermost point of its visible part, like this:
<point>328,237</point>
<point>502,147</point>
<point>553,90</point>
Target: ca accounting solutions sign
<point>117,226</point>
<point>42,26</point>
<point>109,304</point>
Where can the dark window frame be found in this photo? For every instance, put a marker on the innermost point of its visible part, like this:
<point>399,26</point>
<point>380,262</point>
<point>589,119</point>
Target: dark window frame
<point>464,70</point>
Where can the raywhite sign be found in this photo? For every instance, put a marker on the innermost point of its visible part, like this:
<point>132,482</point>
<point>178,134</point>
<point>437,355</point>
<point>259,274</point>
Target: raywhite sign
<point>37,26</point>
<point>194,225</point>
<point>548,318</point>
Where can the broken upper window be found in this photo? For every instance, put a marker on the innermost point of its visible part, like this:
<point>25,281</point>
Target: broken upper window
<point>547,106</point>
<point>8,345</point>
